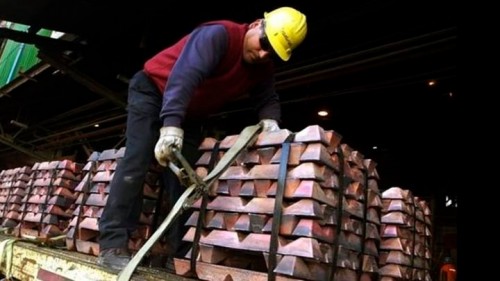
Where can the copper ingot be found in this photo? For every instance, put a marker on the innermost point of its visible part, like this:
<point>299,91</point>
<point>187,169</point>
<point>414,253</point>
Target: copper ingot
<point>294,267</point>
<point>305,247</point>
<point>371,247</point>
<point>309,189</point>
<point>370,166</point>
<point>333,138</point>
<point>228,142</point>
<point>272,138</point>
<point>57,211</point>
<point>304,207</point>
<point>264,172</point>
<point>353,207</point>
<point>296,150</point>
<point>204,159</point>
<point>393,231</point>
<point>15,199</point>
<point>342,274</point>
<point>312,133</point>
<point>206,271</point>
<point>94,199</point>
<point>16,207</point>
<point>398,218</point>
<point>242,224</point>
<point>87,247</point>
<point>316,152</point>
<point>83,184</point>
<point>102,176</point>
<point>374,199</point>
<point>20,184</point>
<point>61,201</point>
<point>50,230</point>
<point>373,185</point>
<point>263,155</point>
<point>307,171</point>
<point>50,219</point>
<point>235,173</point>
<point>91,211</point>
<point>67,175</point>
<point>213,254</point>
<point>207,144</point>
<point>301,227</point>
<point>395,244</point>
<point>105,165</point>
<point>87,168</point>
<point>13,216</point>
<point>373,215</point>
<point>398,193</point>
<point>355,190</point>
<point>347,258</point>
<point>369,264</point>
<point>89,223</point>
<point>64,192</point>
<point>372,231</point>
<point>393,205</point>
<point>147,190</point>
<point>222,220</point>
<point>248,190</point>
<point>395,270</point>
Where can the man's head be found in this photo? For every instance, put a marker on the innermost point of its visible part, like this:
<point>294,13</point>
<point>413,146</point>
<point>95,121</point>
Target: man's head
<point>279,32</point>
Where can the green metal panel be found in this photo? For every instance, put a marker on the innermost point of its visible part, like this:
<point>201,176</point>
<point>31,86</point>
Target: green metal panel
<point>18,57</point>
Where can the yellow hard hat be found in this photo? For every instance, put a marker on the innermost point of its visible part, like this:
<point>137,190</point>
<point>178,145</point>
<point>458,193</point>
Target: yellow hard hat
<point>285,29</point>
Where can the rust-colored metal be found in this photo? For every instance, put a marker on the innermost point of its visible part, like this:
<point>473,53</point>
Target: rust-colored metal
<point>395,270</point>
<point>395,244</point>
<point>296,150</point>
<point>393,205</point>
<point>312,133</point>
<point>392,231</point>
<point>369,264</point>
<point>317,152</point>
<point>212,272</point>
<point>272,138</point>
<point>398,218</point>
<point>398,193</point>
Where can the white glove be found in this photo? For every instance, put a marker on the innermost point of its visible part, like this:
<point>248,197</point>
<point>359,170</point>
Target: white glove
<point>170,137</point>
<point>269,125</point>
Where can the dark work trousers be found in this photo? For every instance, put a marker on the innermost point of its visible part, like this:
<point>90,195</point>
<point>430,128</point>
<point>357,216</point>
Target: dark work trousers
<point>124,204</point>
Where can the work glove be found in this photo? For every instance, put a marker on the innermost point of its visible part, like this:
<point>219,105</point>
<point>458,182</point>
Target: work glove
<point>170,137</point>
<point>269,125</point>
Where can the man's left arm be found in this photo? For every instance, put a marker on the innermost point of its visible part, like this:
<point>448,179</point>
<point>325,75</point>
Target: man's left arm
<point>267,104</point>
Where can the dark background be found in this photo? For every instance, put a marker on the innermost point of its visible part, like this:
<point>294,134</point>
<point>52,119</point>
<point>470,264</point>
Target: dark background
<point>367,62</point>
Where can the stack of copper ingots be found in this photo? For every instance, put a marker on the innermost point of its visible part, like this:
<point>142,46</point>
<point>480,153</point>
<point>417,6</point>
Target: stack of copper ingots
<point>93,191</point>
<point>293,206</point>
<point>13,183</point>
<point>48,200</point>
<point>406,237</point>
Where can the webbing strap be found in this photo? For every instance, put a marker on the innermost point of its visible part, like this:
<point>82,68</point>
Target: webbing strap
<point>278,207</point>
<point>245,139</point>
<point>200,224</point>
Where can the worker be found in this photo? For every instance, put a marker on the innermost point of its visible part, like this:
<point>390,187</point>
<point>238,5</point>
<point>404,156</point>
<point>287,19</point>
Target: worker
<point>170,97</point>
<point>448,270</point>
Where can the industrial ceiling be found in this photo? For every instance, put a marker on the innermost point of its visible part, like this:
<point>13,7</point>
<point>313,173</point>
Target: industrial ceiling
<point>367,62</point>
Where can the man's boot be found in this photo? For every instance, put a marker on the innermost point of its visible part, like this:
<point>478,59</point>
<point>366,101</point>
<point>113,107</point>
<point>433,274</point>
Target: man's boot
<point>115,258</point>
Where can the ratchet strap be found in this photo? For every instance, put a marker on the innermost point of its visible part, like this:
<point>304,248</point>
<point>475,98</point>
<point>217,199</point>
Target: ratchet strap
<point>192,193</point>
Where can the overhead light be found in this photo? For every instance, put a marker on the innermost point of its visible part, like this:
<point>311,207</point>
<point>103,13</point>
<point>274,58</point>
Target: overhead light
<point>18,124</point>
<point>96,125</point>
<point>431,83</point>
<point>323,113</point>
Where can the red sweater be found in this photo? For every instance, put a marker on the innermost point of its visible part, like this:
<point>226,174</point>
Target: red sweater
<point>203,84</point>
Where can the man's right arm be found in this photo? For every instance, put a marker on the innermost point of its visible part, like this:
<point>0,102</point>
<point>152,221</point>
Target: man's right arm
<point>200,56</point>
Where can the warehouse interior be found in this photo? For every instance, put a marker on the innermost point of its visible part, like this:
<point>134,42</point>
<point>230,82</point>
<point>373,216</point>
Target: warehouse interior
<point>385,70</point>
